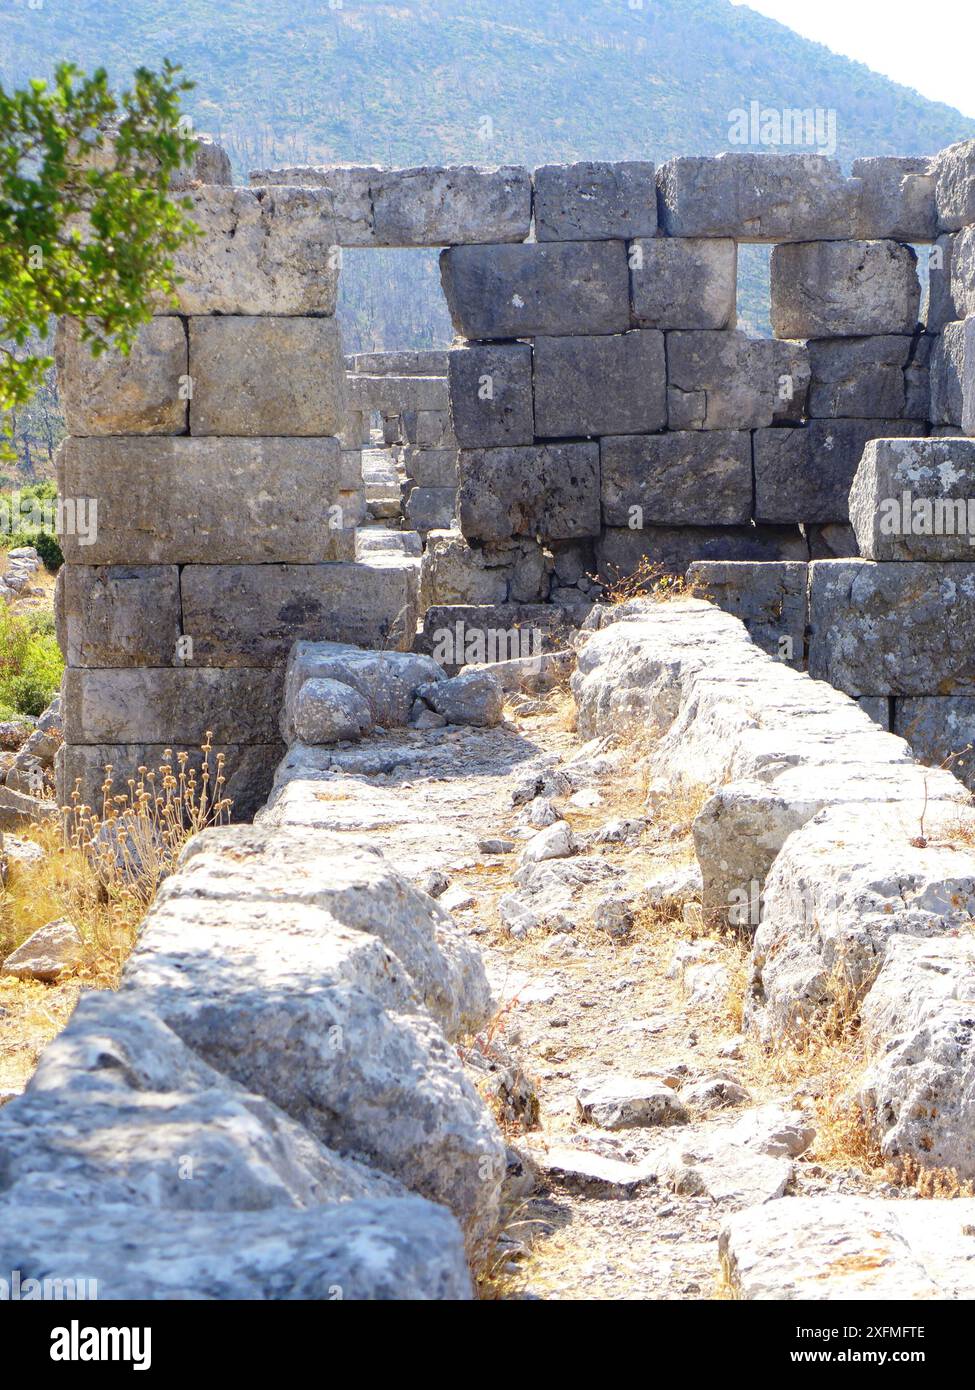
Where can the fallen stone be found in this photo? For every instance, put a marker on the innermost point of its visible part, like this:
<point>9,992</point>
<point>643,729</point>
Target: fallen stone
<point>326,711</point>
<point>581,1171</point>
<point>474,697</point>
<point>714,1094</point>
<point>630,1102</point>
<point>556,841</point>
<point>728,1173</point>
<point>47,954</point>
<point>17,809</point>
<point>388,682</point>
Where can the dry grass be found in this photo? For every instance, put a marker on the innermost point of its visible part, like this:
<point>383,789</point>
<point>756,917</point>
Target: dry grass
<point>649,580</point>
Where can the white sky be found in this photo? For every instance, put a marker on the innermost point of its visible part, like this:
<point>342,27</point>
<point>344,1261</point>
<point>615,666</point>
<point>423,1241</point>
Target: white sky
<point>930,47</point>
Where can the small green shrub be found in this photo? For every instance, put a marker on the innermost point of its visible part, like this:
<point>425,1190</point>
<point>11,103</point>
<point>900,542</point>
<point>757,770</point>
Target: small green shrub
<point>34,528</point>
<point>30,663</point>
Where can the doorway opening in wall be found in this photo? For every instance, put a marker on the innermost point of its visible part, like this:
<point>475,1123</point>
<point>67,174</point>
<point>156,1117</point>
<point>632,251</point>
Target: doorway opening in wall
<point>392,299</point>
<point>754,292</point>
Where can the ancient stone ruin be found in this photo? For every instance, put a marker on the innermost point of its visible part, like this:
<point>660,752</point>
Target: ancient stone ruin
<point>338,567</point>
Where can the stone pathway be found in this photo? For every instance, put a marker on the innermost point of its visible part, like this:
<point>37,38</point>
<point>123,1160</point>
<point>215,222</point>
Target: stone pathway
<point>636,1015</point>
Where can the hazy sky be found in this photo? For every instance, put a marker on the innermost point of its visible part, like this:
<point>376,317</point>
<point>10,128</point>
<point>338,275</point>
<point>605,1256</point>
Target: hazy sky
<point>927,47</point>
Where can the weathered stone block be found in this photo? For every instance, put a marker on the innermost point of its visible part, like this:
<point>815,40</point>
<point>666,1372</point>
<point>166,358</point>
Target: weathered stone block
<point>770,599</point>
<point>859,378</point>
<point>757,197</point>
<point>730,381</point>
<point>594,385</point>
<point>491,394</point>
<point>941,303</point>
<point>267,376</point>
<point>679,282</point>
<point>431,467</point>
<point>831,289</point>
<point>595,201</point>
<point>346,198</point>
<point>207,501</point>
<point>431,508</point>
<point>834,540</point>
<point>454,572</point>
<point>404,362</point>
<point>210,164</point>
<point>891,629</point>
<point>248,770</point>
<point>949,366</point>
<point>941,732</point>
<point>397,394</point>
<point>897,198</point>
<point>118,615</point>
<point>962,272</point>
<point>262,251</point>
<point>914,499</point>
<point>954,169</point>
<point>432,206</point>
<point>428,429</point>
<point>805,474</point>
<point>156,705</point>
<point>683,478</point>
<point>619,550</point>
<point>553,288</point>
<point>550,491</point>
<point>144,393</point>
<point>251,615</point>
<point>917,378</point>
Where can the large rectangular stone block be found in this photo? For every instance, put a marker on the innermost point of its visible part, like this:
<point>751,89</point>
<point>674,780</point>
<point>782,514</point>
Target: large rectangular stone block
<point>619,551</point>
<point>914,499</point>
<point>262,251</point>
<point>118,615</point>
<point>941,732</point>
<point>941,303</point>
<point>692,478</point>
<point>491,394</point>
<point>397,394</point>
<point>143,393</point>
<point>248,770</point>
<point>432,206</point>
<point>251,615</point>
<point>897,198</point>
<point>428,429</point>
<point>430,508</point>
<point>952,359</point>
<point>404,362</point>
<point>346,196</point>
<point>954,169</point>
<point>556,288</point>
<point>859,378</point>
<point>833,289</point>
<point>684,282</point>
<point>962,263</point>
<point>595,201</point>
<point>600,384</point>
<point>206,501</point>
<point>805,474</point>
<point>550,491</point>
<point>430,467</point>
<point>267,376</point>
<point>769,598</point>
<point>174,706</point>
<point>757,197</point>
<point>730,381</point>
<point>892,629</point>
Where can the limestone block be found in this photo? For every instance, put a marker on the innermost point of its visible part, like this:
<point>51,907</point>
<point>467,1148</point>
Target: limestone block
<point>207,501</point>
<point>406,1249</point>
<point>550,491</point>
<point>757,197</point>
<point>428,429</point>
<point>266,376</point>
<point>730,381</point>
<point>345,200</point>
<point>143,393</point>
<point>250,615</point>
<point>891,629</point>
<point>897,198</point>
<point>825,289</point>
<point>919,1089</point>
<point>262,251</point>
<point>954,169</point>
<point>770,599</point>
<point>210,164</point>
<point>595,201</point>
<point>620,550</point>
<point>941,732</point>
<point>48,954</point>
<point>805,474</point>
<point>375,540</point>
<point>594,385</point>
<point>248,770</point>
<point>917,378</point>
<point>118,615</point>
<point>839,1248</point>
<point>962,273</point>
<point>859,378</point>
<point>915,500</point>
<point>431,468</point>
<point>550,288</point>
<point>397,394</point>
<point>431,508</point>
<point>473,697</point>
<point>878,708</point>
<point>684,282</point>
<point>941,304</point>
<point>454,572</point>
<point>404,362</point>
<point>434,206</point>
<point>327,711</point>
<point>693,478</point>
<point>952,359</point>
<point>491,394</point>
<point>156,705</point>
<point>387,681</point>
